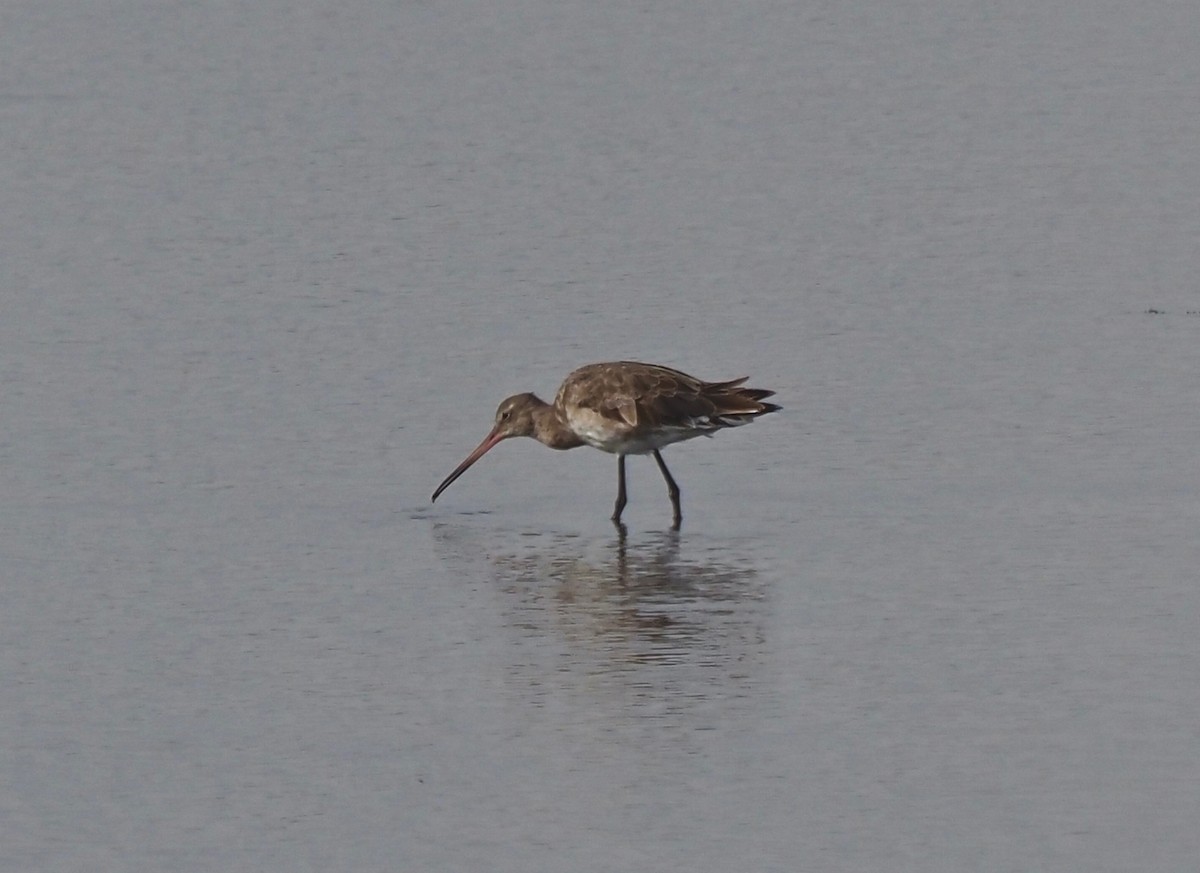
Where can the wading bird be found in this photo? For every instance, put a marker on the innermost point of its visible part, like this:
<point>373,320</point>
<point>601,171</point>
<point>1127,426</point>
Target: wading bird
<point>624,408</point>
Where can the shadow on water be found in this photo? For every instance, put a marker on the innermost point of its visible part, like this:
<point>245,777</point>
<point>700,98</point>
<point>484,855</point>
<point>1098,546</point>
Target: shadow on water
<point>664,623</point>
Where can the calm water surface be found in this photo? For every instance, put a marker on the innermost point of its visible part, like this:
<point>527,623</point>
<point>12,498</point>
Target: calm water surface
<point>269,270</point>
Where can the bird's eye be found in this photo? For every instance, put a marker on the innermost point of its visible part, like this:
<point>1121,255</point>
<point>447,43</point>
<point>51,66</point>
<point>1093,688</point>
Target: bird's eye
<point>505,415</point>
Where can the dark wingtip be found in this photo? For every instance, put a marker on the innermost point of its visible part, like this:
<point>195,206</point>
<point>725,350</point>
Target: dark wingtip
<point>746,401</point>
<point>755,393</point>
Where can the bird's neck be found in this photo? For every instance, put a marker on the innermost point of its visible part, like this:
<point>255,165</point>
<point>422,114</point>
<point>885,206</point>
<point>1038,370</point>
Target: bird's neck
<point>549,429</point>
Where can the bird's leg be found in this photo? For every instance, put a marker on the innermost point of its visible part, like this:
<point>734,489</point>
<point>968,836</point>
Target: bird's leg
<point>672,489</point>
<point>620,505</point>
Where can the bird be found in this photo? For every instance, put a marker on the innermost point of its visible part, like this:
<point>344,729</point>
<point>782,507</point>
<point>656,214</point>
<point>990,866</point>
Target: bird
<point>624,408</point>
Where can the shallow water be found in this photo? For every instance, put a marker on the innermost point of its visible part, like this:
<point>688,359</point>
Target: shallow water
<point>268,272</point>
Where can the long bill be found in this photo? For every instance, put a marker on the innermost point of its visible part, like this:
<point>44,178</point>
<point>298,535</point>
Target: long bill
<point>482,449</point>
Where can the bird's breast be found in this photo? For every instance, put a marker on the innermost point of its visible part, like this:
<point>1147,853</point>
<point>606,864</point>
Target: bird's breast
<point>620,438</point>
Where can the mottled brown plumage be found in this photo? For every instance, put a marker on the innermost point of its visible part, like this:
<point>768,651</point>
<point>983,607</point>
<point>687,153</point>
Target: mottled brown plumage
<point>625,408</point>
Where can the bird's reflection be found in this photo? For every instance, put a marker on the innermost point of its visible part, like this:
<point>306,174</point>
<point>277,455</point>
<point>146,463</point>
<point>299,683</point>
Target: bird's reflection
<point>660,620</point>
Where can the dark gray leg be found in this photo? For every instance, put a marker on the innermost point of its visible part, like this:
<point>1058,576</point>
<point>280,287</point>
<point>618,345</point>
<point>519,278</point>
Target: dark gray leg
<point>620,506</point>
<point>672,489</point>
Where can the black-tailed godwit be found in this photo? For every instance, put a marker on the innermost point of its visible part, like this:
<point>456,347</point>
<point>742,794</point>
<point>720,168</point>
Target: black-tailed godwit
<point>624,408</point>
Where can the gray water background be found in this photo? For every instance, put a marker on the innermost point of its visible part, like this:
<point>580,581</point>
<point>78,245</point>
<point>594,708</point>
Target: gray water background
<point>267,270</point>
